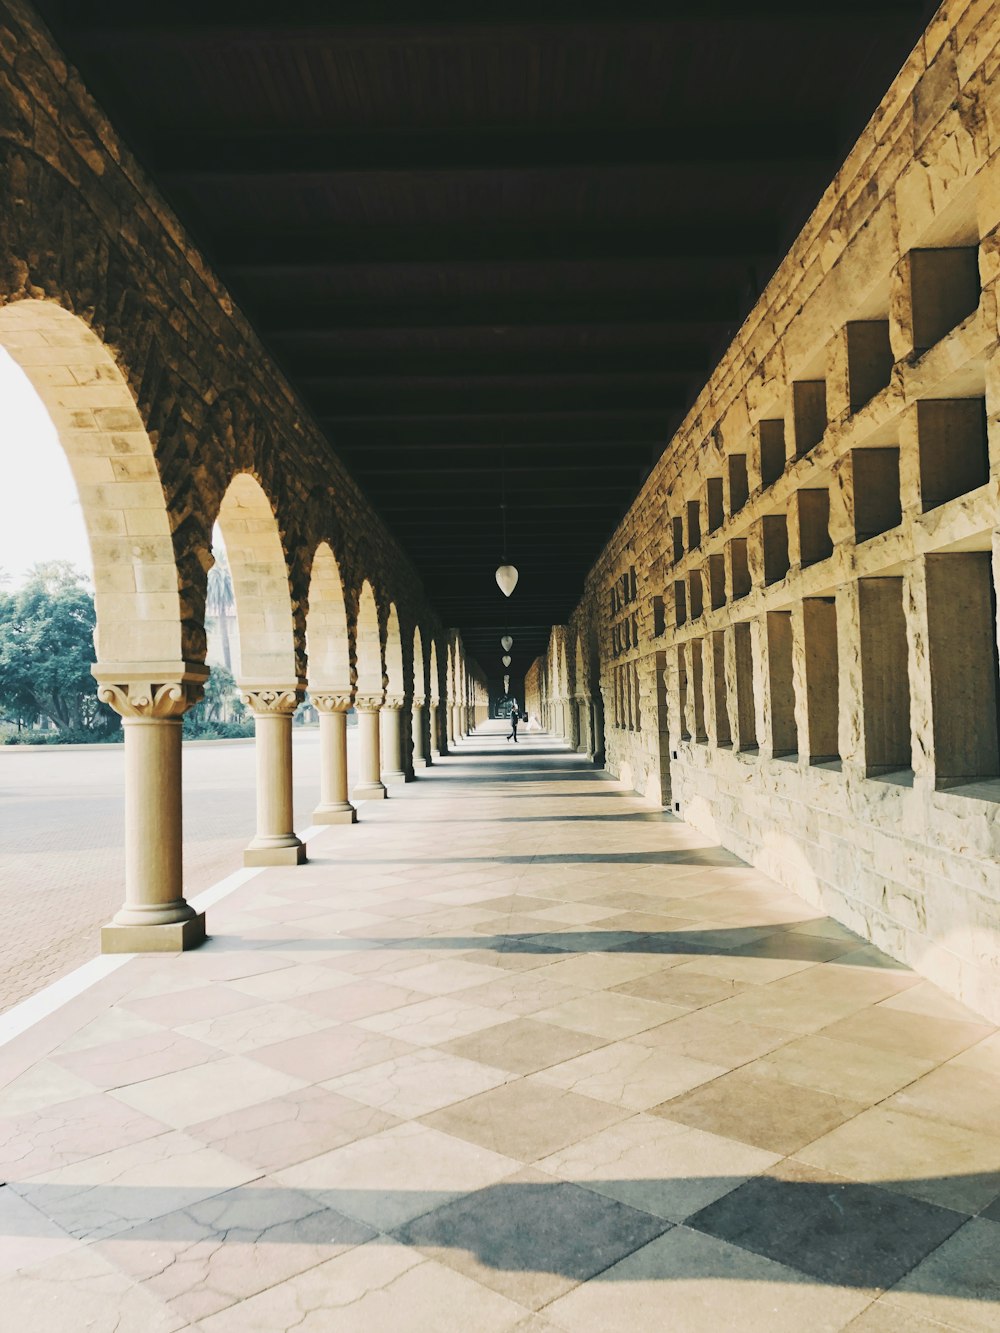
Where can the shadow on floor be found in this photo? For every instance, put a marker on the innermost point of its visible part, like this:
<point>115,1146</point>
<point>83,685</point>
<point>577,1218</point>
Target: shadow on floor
<point>838,1232</point>
<point>768,941</point>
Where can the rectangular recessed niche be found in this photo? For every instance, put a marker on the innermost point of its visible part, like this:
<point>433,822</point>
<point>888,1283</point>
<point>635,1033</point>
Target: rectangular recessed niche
<point>877,506</point>
<point>694,524</point>
<point>944,290</point>
<point>954,455</point>
<point>716,512</point>
<point>772,451</point>
<point>677,525</point>
<point>962,649</point>
<point>659,623</point>
<point>809,412</point>
<point>680,603</point>
<point>774,540</point>
<point>698,692</point>
<point>740,568</point>
<point>717,581</point>
<point>885,680</point>
<point>781,691</point>
<point>746,714</point>
<point>682,692</point>
<point>723,734</point>
<point>814,526</point>
<point>819,629</point>
<point>869,360</point>
<point>695,593</point>
<point>739,486</point>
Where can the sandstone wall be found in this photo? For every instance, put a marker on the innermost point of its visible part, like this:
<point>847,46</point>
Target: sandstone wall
<point>797,619</point>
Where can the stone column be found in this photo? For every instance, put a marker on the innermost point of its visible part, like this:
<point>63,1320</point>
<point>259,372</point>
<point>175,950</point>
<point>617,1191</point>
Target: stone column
<point>275,843</point>
<point>420,759</point>
<point>154,917</point>
<point>334,807</point>
<point>369,787</point>
<point>393,759</point>
<point>454,724</point>
<point>434,719</point>
<point>583,727</point>
<point>572,715</point>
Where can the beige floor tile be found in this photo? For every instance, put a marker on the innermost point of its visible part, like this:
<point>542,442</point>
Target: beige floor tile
<point>943,1164</point>
<point>685,1282</point>
<point>956,1095</point>
<point>630,1074</point>
<point>28,1237</point>
<point>292,980</point>
<point>44,1084</point>
<point>379,1288</point>
<point>444,976</point>
<point>663,1168</point>
<point>842,1068</point>
<point>248,1029</point>
<point>906,1033</point>
<point>191,1095</point>
<point>388,1179</point>
<point>704,1032</point>
<point>606,1014</point>
<point>523,1045</point>
<point>601,972</point>
<point>959,1283</point>
<point>415,1084</point>
<point>119,1023</point>
<point>430,1022</point>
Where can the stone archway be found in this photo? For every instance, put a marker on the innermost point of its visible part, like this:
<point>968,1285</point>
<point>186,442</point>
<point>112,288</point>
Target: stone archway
<point>395,765</point>
<point>140,639</point>
<point>370,696</point>
<point>331,686</point>
<point>422,741</point>
<point>269,681</point>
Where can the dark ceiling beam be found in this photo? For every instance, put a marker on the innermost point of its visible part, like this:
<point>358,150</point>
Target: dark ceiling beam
<point>428,22</point>
<point>540,429</point>
<point>250,252</point>
<point>431,400</point>
<point>179,156</point>
<point>312,369</point>
<point>699,306</point>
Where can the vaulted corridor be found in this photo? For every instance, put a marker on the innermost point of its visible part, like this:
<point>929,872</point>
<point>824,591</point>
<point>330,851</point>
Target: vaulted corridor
<point>515,1052</point>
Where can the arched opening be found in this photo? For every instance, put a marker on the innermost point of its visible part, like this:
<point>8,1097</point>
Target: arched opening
<point>97,422</point>
<point>396,766</point>
<point>368,646</point>
<point>434,714</point>
<point>268,674</point>
<point>395,681</point>
<point>79,398</point>
<point>327,643</point>
<point>419,676</point>
<point>260,586</point>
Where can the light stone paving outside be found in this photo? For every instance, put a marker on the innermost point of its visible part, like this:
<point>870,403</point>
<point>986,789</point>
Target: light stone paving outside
<point>514,1053</point>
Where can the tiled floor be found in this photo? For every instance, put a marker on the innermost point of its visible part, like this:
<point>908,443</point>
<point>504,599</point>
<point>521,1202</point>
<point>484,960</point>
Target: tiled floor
<point>514,1053</point>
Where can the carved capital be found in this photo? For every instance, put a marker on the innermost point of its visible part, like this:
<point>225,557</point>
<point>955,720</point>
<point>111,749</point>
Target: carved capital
<point>271,699</point>
<point>394,701</point>
<point>329,702</point>
<point>157,691</point>
<point>368,703</point>
<point>419,700</point>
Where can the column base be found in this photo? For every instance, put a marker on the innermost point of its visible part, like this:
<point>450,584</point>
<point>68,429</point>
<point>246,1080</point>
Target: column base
<point>369,791</point>
<point>335,814</point>
<point>398,776</point>
<point>174,937</point>
<point>293,855</point>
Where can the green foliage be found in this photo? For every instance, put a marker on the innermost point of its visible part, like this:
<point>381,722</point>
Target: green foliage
<point>46,650</point>
<point>220,715</point>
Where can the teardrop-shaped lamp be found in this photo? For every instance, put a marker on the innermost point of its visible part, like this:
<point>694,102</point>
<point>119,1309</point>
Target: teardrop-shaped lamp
<point>506,684</point>
<point>507,579</point>
<point>506,643</point>
<point>505,659</point>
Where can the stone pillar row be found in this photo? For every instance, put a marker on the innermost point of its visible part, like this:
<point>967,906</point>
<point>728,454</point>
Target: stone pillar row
<point>152,701</point>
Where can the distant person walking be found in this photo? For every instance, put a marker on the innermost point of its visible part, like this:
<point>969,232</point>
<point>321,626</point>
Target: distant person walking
<point>515,718</point>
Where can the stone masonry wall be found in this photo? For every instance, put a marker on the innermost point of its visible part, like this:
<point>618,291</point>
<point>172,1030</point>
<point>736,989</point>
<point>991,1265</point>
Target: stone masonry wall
<point>82,227</point>
<point>797,618</point>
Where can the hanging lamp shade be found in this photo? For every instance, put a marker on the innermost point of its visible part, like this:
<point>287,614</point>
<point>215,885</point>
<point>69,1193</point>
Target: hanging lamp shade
<point>506,579</point>
<point>506,643</point>
<point>506,684</point>
<point>506,659</point>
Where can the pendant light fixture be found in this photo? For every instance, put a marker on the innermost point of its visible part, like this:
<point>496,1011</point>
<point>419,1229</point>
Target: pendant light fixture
<point>506,684</point>
<point>506,574</point>
<point>506,659</point>
<point>506,643</point>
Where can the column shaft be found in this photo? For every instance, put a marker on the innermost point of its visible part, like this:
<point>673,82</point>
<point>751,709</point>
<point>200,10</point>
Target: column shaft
<point>334,807</point>
<point>369,787</point>
<point>275,842</point>
<point>393,759</point>
<point>420,759</point>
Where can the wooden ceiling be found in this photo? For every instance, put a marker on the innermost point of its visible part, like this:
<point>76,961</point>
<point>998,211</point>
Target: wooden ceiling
<point>488,237</point>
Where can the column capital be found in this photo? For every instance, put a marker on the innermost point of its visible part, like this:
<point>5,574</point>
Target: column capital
<point>368,703</point>
<point>419,700</point>
<point>394,701</point>
<point>270,699</point>
<point>331,701</point>
<point>156,691</point>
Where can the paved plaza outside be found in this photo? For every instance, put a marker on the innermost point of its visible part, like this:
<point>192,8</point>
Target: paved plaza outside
<point>514,1053</point>
<point>62,856</point>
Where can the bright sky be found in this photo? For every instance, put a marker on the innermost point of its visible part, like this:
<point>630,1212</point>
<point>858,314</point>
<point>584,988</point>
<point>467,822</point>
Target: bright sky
<point>40,515</point>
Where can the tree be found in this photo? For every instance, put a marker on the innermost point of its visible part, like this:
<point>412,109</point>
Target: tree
<point>220,599</point>
<point>46,650</point>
